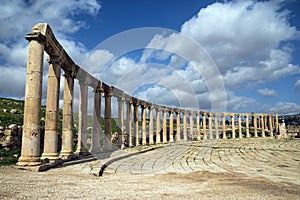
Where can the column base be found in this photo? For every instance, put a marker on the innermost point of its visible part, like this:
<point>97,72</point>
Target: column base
<point>67,155</point>
<point>52,157</point>
<point>82,152</point>
<point>29,161</point>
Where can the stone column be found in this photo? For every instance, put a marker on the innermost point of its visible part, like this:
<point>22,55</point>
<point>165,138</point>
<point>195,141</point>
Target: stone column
<point>217,126</point>
<point>82,119</point>
<point>144,136</point>
<point>204,126</point>
<point>171,119</point>
<point>67,124</point>
<point>198,125</point>
<point>178,138</point>
<point>224,126</point>
<point>240,126</point>
<point>247,126</point>
<point>136,122</point>
<point>95,139</point>
<point>184,126</point>
<point>158,125</point>
<point>52,109</point>
<point>108,92</point>
<point>30,154</point>
<point>164,132</point>
<point>276,123</point>
<point>129,121</point>
<point>121,138</point>
<point>210,125</point>
<point>151,141</point>
<point>255,124</point>
<point>270,125</point>
<point>262,126</point>
<point>232,125</point>
<point>191,124</point>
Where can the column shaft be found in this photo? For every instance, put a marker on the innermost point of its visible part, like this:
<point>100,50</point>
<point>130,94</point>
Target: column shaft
<point>210,126</point>
<point>52,109</point>
<point>82,119</point>
<point>217,126</point>
<point>224,126</point>
<point>262,126</point>
<point>232,126</point>
<point>129,121</point>
<point>191,125</point>
<point>121,122</point>
<point>67,125</point>
<point>30,154</point>
<point>95,139</point>
<point>184,126</point>
<point>247,126</point>
<point>178,137</point>
<point>144,135</point>
<point>204,126</point>
<point>198,126</point>
<point>136,123</point>
<point>107,119</point>
<point>171,119</point>
<point>164,125</point>
<point>151,141</point>
<point>255,125</point>
<point>240,126</point>
<point>158,140</point>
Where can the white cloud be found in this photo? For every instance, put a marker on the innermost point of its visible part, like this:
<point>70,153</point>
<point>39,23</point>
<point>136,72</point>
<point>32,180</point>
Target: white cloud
<point>267,92</point>
<point>18,17</point>
<point>297,84</point>
<point>282,108</point>
<point>244,39</point>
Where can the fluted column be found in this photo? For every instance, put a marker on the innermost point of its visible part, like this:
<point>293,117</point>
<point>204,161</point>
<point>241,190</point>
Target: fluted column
<point>82,119</point>
<point>210,125</point>
<point>171,119</point>
<point>184,126</point>
<point>158,125</point>
<point>151,141</point>
<point>67,125</point>
<point>204,126</point>
<point>198,125</point>
<point>108,92</point>
<point>247,126</point>
<point>262,126</point>
<point>191,124</point>
<point>129,121</point>
<point>217,126</point>
<point>232,126</point>
<point>224,126</point>
<point>178,133</point>
<point>121,138</point>
<point>144,136</point>
<point>240,126</point>
<point>164,132</point>
<point>95,138</point>
<point>136,122</point>
<point>52,109</point>
<point>30,154</point>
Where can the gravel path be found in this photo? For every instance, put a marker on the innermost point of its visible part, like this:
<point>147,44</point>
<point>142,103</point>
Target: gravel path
<point>231,169</point>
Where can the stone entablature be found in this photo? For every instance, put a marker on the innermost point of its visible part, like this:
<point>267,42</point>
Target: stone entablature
<point>158,123</point>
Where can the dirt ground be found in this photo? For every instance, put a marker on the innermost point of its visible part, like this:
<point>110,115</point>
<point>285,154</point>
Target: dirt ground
<point>65,183</point>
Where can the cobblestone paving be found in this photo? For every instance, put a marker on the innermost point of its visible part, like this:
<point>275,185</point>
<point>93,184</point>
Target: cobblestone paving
<point>278,160</point>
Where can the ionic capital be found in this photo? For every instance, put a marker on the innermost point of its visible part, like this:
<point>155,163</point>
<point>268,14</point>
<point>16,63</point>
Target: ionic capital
<point>35,36</point>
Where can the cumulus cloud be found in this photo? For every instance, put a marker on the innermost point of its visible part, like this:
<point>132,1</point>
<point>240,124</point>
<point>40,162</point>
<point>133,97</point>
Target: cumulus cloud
<point>19,16</point>
<point>267,92</point>
<point>245,39</point>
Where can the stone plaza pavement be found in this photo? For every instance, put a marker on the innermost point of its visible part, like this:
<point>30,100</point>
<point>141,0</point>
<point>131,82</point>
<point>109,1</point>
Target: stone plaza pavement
<point>278,160</point>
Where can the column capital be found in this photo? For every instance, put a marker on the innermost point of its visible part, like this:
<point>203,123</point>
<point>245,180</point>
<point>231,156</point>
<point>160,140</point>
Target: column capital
<point>99,88</point>
<point>108,90</point>
<point>54,60</point>
<point>72,72</point>
<point>38,36</point>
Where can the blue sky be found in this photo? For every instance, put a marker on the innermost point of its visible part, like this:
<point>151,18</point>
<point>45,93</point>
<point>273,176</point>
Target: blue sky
<point>252,49</point>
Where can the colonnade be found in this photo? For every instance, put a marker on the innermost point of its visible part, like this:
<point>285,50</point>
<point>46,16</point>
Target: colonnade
<point>139,122</point>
